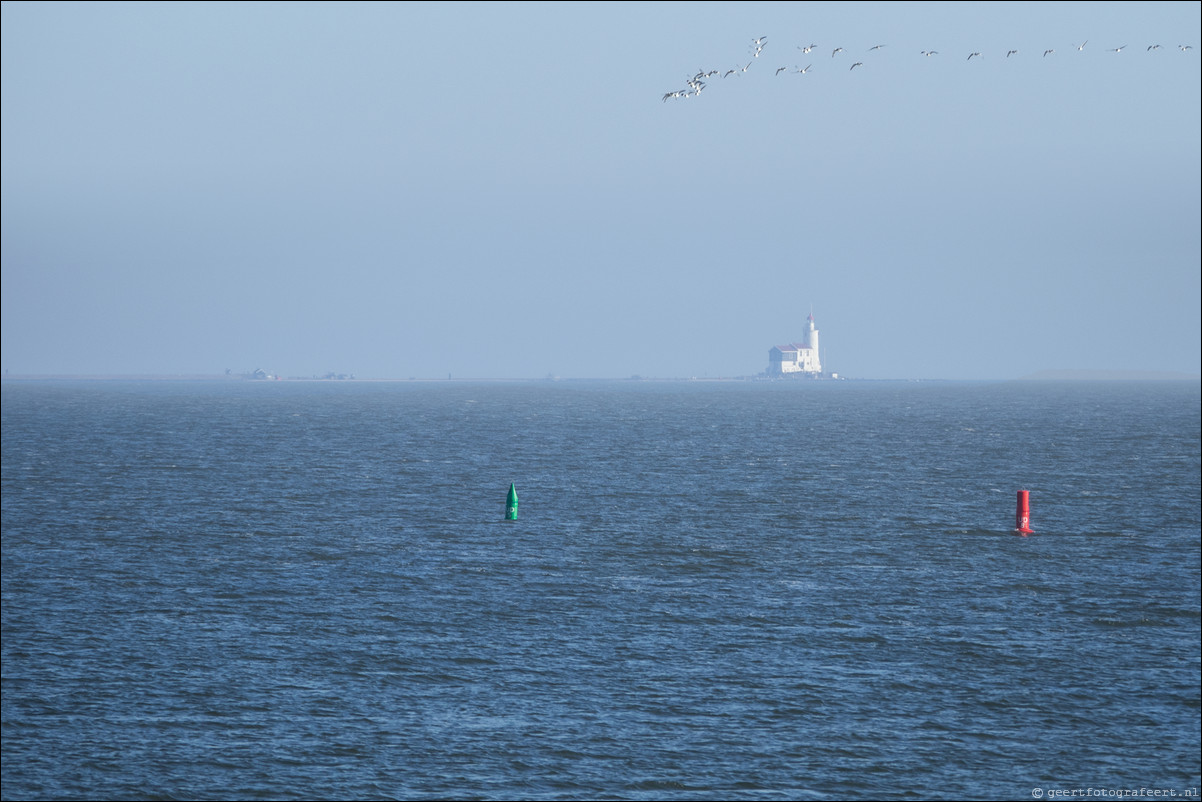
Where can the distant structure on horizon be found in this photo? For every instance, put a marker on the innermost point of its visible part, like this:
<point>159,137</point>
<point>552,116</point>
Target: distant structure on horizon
<point>801,358</point>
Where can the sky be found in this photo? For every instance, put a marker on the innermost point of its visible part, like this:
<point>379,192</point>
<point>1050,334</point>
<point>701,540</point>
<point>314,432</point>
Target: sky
<point>503,190</point>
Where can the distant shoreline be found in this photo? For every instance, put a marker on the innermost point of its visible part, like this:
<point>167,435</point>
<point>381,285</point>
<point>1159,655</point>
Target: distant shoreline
<point>1039,376</point>
<point>1110,375</point>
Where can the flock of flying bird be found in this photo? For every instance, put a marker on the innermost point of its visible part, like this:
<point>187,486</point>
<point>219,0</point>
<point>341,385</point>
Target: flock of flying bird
<point>697,82</point>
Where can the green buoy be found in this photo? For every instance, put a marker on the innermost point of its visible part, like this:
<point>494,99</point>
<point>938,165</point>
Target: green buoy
<point>511,504</point>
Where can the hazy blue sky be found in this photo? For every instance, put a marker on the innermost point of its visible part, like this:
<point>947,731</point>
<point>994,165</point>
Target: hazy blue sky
<point>499,190</point>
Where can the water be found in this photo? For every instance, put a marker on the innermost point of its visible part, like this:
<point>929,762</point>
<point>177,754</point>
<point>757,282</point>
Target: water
<point>714,590</point>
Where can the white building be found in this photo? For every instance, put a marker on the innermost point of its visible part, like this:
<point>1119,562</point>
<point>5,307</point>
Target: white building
<point>796,357</point>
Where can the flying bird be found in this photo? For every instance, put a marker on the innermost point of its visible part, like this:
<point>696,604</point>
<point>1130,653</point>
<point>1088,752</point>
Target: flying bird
<point>1117,49</point>
<point>840,50</point>
<point>1046,52</point>
<point>929,53</point>
<point>1011,53</point>
<point>1153,47</point>
<point>970,55</point>
<point>806,49</point>
<point>807,69</point>
<point>1185,47</point>
<point>1082,45</point>
<point>779,70</point>
<point>875,47</point>
<point>857,64</point>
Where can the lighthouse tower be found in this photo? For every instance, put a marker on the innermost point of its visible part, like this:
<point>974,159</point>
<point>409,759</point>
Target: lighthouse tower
<point>812,343</point>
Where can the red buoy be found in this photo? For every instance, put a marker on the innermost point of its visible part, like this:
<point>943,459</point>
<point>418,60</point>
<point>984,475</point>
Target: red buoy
<point>1022,514</point>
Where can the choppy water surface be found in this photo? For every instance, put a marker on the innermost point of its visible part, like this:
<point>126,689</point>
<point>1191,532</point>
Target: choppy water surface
<point>724,590</point>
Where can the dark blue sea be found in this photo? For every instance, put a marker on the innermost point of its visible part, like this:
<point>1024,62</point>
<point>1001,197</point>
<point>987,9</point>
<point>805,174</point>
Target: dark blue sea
<point>713,590</point>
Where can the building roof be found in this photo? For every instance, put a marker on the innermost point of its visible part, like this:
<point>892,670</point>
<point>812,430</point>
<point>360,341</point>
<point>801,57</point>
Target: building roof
<point>792,347</point>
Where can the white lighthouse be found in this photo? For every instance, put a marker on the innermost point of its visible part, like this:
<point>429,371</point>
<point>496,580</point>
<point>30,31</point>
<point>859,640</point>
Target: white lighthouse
<point>812,341</point>
<point>797,357</point>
